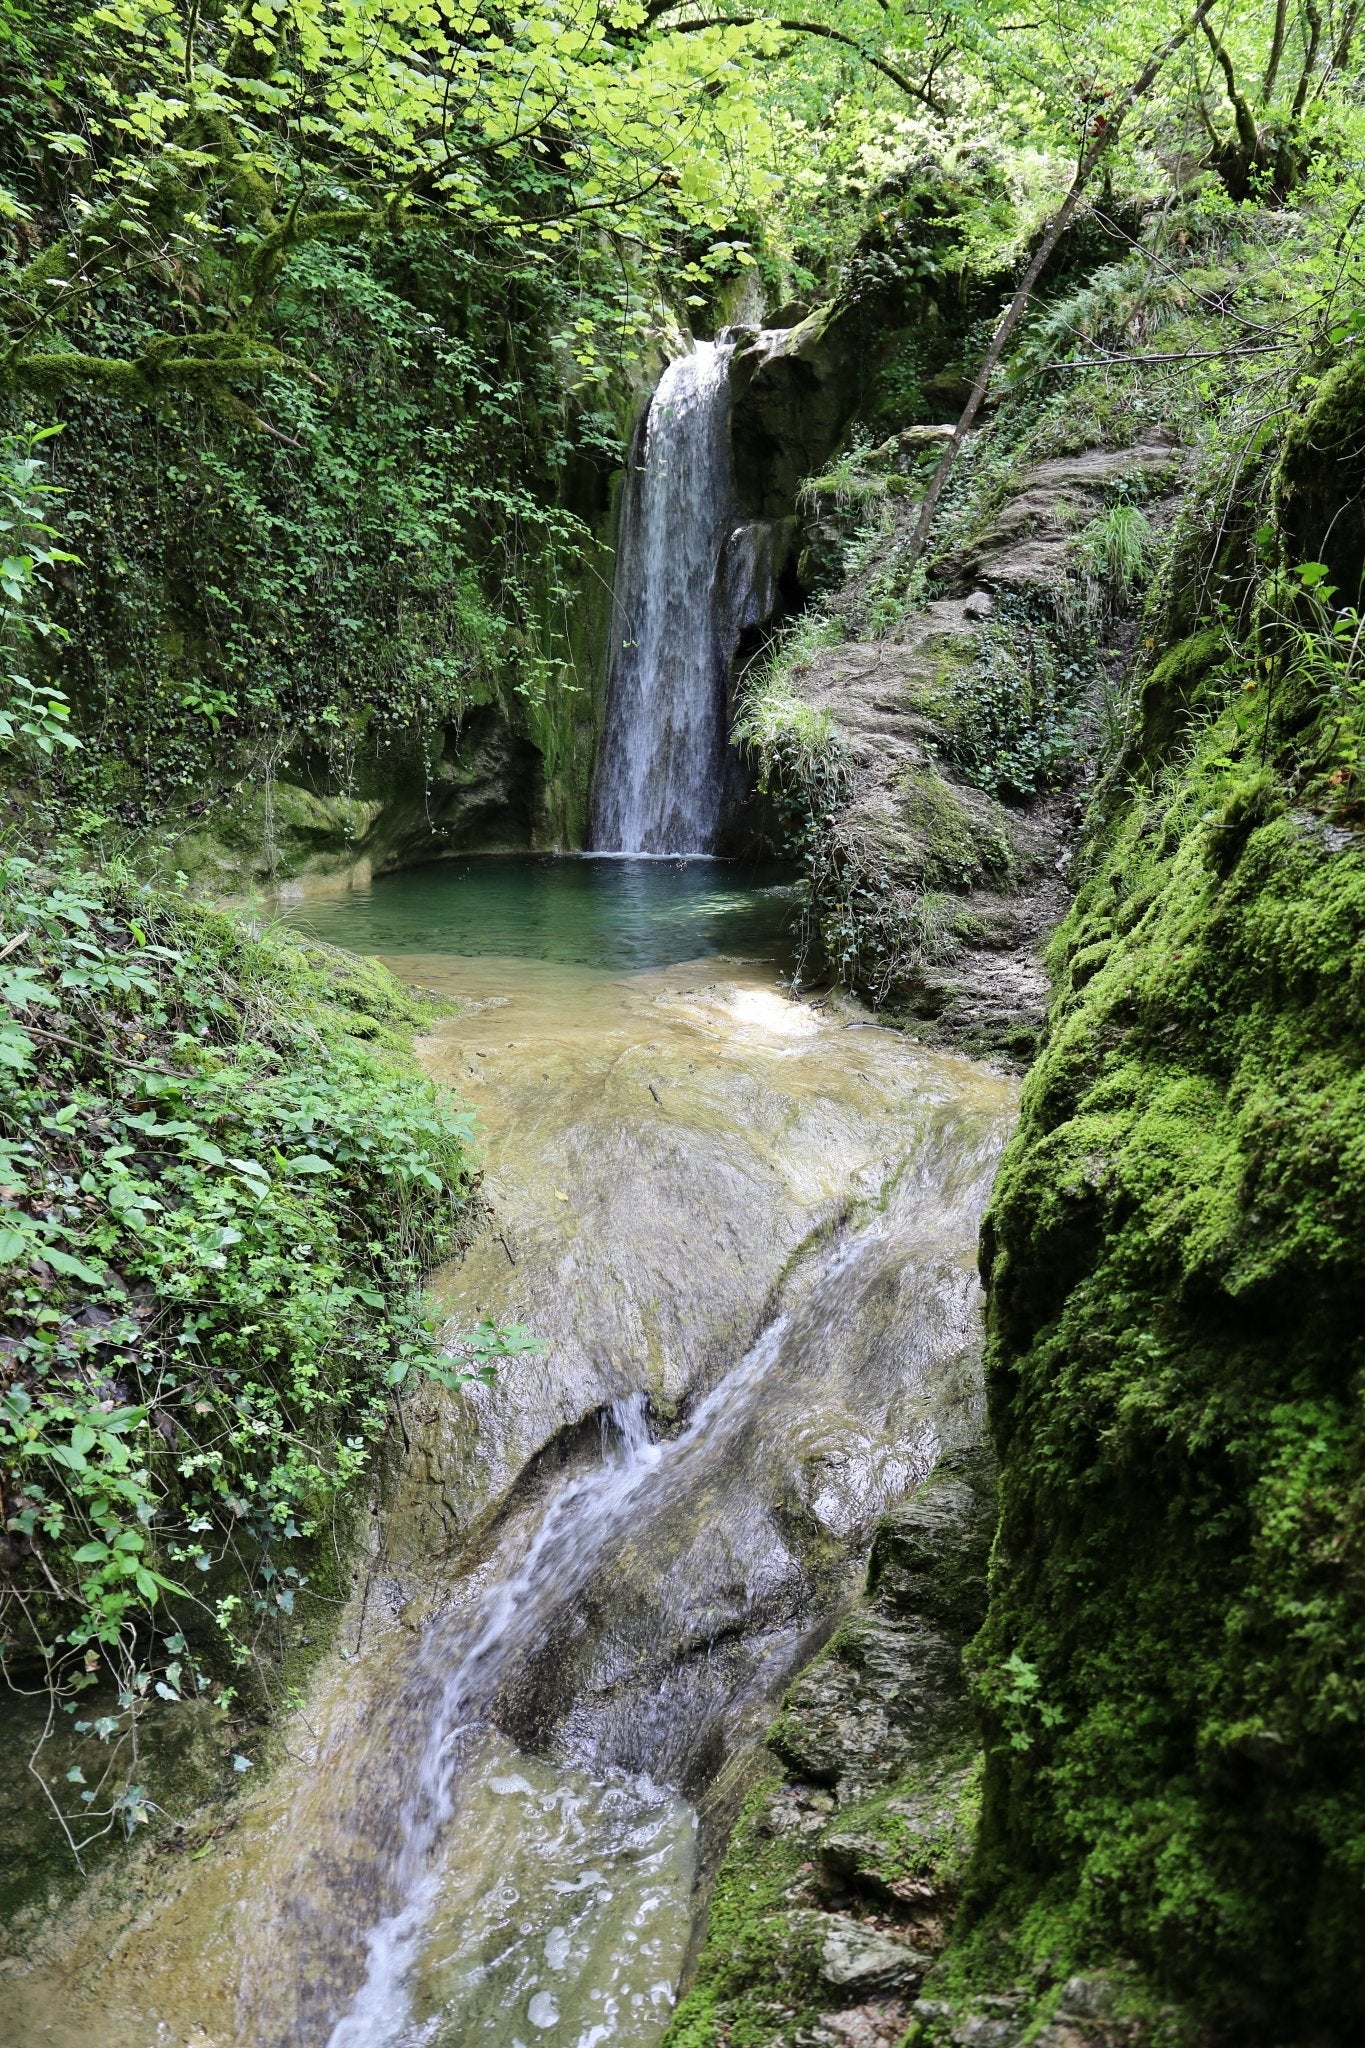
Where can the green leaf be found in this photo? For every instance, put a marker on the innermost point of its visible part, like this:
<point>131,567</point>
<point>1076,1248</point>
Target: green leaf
<point>75,1269</point>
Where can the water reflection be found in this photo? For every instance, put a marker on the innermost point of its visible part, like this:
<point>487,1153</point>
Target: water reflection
<point>616,912</point>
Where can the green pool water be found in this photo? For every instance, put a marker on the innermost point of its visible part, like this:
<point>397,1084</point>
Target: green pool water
<point>595,911</point>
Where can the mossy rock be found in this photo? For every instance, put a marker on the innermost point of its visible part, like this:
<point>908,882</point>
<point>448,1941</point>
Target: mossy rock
<point>1172,688</point>
<point>950,837</point>
<point>1171,1664</point>
<point>1319,491</point>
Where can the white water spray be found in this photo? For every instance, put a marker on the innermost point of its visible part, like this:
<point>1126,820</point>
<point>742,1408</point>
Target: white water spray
<point>662,759</point>
<point>565,1547</point>
<point>576,1532</point>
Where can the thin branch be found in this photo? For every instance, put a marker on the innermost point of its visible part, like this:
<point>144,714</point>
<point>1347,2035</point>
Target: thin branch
<point>1248,134</point>
<point>1193,355</point>
<point>911,87</point>
<point>1340,52</point>
<point>1102,140</point>
<point>1313,16</point>
<point>1208,300</point>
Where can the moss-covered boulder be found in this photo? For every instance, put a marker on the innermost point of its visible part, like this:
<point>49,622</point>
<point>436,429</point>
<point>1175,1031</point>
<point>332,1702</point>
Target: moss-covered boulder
<point>1173,1665</point>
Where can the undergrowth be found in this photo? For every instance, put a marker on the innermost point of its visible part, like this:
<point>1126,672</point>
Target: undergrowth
<point>1012,715</point>
<point>221,1183</point>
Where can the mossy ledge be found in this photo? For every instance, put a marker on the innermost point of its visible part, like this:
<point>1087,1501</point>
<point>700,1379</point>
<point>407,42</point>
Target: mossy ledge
<point>1171,1670</point>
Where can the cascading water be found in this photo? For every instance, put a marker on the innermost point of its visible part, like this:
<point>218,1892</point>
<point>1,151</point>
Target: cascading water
<point>653,1599</point>
<point>485,1828</point>
<point>661,766</point>
<point>565,1548</point>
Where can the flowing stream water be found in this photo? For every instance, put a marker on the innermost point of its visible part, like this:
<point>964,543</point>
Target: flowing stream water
<point>659,777</point>
<point>745,1226</point>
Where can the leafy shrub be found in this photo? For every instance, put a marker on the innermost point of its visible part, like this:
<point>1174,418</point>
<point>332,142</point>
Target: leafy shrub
<point>220,1187</point>
<point>34,712</point>
<point>1012,715</point>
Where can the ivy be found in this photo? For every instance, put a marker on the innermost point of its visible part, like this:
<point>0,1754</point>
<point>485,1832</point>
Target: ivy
<point>220,1188</point>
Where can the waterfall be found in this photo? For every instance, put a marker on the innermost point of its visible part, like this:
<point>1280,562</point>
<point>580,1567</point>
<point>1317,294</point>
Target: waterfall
<point>661,766</point>
<point>577,1527</point>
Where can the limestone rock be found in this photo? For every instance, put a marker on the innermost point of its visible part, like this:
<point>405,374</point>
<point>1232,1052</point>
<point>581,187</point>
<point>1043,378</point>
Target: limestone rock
<point>968,888</point>
<point>855,1957</point>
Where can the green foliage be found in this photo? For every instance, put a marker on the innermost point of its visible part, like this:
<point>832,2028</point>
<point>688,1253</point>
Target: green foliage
<point>799,757</point>
<point>1120,307</point>
<point>34,712</point>
<point>1118,551</point>
<point>1171,1667</point>
<point>222,1186</point>
<point>1012,714</point>
<point>333,600</point>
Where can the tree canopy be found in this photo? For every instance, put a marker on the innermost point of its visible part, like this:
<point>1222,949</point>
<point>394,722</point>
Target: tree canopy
<point>200,146</point>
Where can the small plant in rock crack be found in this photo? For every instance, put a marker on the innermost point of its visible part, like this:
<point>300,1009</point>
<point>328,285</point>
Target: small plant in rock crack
<point>1117,552</point>
<point>801,761</point>
<point>1013,716</point>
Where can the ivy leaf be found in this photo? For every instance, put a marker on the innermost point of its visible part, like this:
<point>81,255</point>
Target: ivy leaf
<point>14,1244</point>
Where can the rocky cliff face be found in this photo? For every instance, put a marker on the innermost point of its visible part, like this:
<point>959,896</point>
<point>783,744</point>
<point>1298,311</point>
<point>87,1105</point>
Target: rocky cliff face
<point>960,715</point>
<point>830,1903</point>
<point>1169,1675</point>
<point>1171,1662</point>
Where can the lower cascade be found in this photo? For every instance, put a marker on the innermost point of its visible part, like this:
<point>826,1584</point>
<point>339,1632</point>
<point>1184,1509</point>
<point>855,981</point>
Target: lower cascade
<point>517,1813</point>
<point>745,1234</point>
<point>660,771</point>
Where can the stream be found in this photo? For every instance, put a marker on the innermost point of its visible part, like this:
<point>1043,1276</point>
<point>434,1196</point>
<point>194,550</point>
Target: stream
<point>745,1227</point>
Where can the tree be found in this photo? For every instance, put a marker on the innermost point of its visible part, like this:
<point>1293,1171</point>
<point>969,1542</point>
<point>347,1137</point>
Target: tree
<point>200,151</point>
<point>1259,145</point>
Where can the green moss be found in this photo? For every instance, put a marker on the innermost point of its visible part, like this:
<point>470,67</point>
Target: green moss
<point>1173,1667</point>
<point>919,1831</point>
<point>1172,685</point>
<point>755,1968</point>
<point>948,843</point>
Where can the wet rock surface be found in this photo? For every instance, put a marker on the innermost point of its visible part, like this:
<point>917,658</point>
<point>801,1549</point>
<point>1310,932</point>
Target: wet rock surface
<point>975,882</point>
<point>829,1905</point>
<point>747,1233</point>
<point>834,1897</point>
